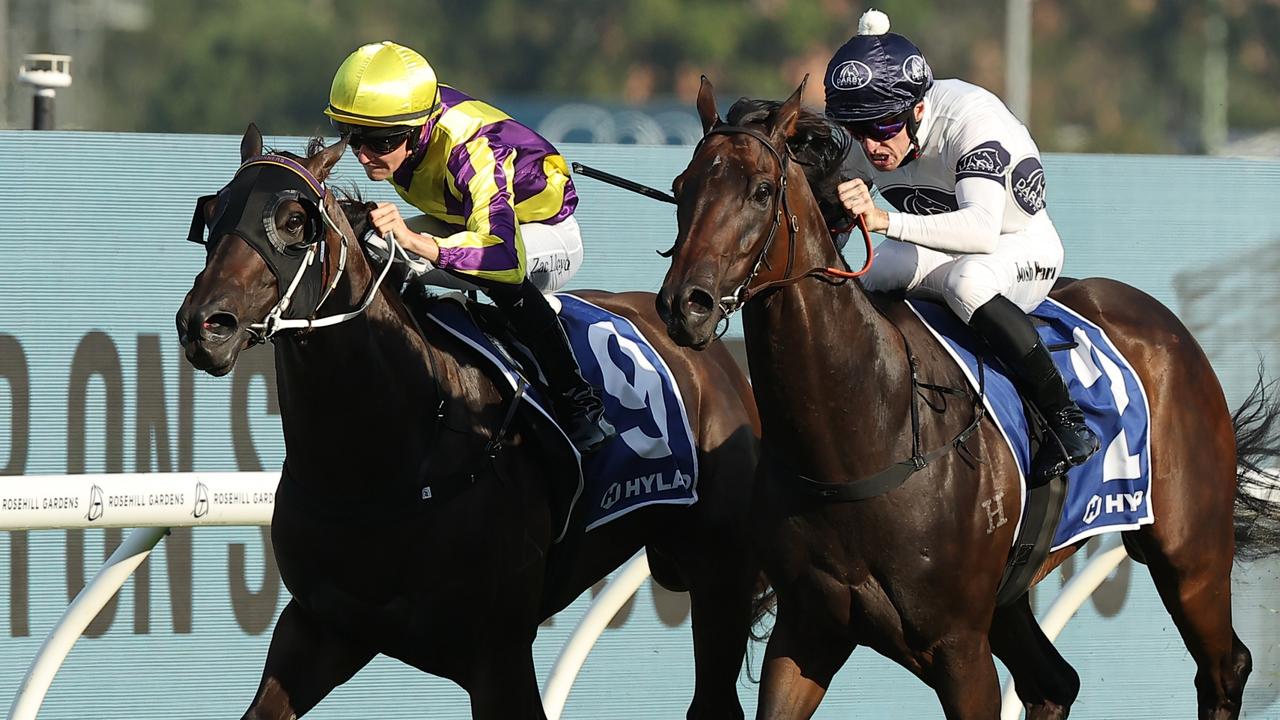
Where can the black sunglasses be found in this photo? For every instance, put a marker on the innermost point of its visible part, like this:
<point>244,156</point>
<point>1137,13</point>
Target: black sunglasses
<point>378,140</point>
<point>878,130</point>
<point>378,144</point>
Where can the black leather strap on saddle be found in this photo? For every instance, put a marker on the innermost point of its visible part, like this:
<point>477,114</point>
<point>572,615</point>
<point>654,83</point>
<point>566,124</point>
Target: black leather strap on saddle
<point>1040,518</point>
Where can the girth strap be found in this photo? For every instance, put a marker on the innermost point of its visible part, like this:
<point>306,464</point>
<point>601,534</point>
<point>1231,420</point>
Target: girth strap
<point>869,487</point>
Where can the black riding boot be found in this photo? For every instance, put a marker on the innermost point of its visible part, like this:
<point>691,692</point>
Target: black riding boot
<point>1014,340</point>
<point>577,402</point>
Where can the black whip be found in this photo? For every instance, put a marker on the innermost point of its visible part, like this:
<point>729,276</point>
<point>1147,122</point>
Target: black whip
<point>622,182</point>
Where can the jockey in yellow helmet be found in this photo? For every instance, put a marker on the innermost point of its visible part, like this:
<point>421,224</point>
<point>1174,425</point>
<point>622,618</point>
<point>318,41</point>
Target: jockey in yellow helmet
<point>492,181</point>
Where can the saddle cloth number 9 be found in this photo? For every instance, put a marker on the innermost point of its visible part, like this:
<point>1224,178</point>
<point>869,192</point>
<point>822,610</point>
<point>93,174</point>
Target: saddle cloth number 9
<point>645,392</point>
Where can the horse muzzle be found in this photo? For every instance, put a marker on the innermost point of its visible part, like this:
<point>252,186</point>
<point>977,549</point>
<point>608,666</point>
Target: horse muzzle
<point>211,337</point>
<point>691,313</point>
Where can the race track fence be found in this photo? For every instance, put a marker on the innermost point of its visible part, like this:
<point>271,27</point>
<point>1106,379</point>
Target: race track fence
<point>37,502</point>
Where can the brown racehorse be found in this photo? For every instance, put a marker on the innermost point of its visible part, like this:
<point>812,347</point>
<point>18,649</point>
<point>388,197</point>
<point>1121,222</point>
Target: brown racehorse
<point>375,406</point>
<point>913,572</point>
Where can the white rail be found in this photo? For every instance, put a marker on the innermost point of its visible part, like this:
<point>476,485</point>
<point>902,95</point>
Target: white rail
<point>151,502</point>
<point>624,584</point>
<point>53,652</point>
<point>155,502</point>
<point>57,502</point>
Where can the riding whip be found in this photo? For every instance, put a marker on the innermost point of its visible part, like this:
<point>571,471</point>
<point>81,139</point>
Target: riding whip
<point>623,183</point>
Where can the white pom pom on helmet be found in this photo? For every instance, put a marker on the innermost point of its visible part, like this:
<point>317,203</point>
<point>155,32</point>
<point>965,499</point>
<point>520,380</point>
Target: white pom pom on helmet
<point>876,74</point>
<point>873,22</point>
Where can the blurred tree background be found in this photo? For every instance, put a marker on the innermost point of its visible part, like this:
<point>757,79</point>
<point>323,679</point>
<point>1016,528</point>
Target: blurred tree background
<point>1117,76</point>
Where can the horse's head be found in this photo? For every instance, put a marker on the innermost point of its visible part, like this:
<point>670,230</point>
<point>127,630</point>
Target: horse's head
<point>275,236</point>
<point>737,222</point>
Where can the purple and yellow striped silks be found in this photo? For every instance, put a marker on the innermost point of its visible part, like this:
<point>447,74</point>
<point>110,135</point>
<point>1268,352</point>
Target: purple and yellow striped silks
<point>485,174</point>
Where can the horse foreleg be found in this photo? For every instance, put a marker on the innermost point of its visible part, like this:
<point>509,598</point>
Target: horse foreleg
<point>504,686</point>
<point>798,666</point>
<point>1046,683</point>
<point>305,662</point>
<point>961,671</point>
<point>720,601</point>
<point>963,674</point>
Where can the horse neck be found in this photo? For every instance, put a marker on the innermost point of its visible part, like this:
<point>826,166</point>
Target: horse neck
<point>357,396</point>
<point>828,367</point>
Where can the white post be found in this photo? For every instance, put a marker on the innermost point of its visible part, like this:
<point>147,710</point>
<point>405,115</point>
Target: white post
<point>1217,79</point>
<point>1073,595</point>
<point>625,583</point>
<point>1017,62</point>
<point>77,617</point>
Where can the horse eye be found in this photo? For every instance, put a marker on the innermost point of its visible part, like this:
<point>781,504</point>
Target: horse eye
<point>295,222</point>
<point>762,194</point>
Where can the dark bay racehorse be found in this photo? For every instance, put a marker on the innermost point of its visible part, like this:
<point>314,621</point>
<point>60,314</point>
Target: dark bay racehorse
<point>371,408</point>
<point>913,572</point>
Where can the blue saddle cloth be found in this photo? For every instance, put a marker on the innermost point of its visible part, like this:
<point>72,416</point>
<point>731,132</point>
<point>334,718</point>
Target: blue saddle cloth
<point>653,459</point>
<point>1112,490</point>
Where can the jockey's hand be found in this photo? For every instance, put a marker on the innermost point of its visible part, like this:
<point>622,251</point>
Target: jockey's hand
<point>386,218</point>
<point>856,198</point>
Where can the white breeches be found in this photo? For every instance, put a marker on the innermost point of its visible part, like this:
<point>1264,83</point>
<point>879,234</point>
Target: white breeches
<point>1022,268</point>
<point>553,253</point>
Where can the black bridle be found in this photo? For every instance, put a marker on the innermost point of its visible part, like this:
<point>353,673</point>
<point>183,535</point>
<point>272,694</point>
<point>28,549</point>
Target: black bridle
<point>298,269</point>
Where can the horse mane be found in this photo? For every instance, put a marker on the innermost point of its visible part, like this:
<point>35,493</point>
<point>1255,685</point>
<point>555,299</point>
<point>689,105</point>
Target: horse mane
<point>353,205</point>
<point>819,145</point>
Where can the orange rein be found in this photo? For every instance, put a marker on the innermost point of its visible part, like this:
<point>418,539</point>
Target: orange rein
<point>866,238</point>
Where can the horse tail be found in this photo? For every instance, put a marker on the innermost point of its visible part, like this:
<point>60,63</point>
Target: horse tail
<point>1257,504</point>
<point>762,607</point>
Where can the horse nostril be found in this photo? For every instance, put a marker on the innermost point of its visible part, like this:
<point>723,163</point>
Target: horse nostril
<point>698,302</point>
<point>218,327</point>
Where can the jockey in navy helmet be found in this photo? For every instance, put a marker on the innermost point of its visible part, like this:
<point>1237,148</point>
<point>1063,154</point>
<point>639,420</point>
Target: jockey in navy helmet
<point>971,227</point>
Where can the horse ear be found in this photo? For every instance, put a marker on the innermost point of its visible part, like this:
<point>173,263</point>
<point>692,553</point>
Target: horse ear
<point>322,162</point>
<point>784,122</point>
<point>707,105</point>
<point>251,144</point>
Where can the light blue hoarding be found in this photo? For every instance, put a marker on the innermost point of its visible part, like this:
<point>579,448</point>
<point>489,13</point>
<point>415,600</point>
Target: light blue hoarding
<point>93,265</point>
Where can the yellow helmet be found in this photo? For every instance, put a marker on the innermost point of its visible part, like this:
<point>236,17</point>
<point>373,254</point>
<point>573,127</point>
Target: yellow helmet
<point>383,85</point>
